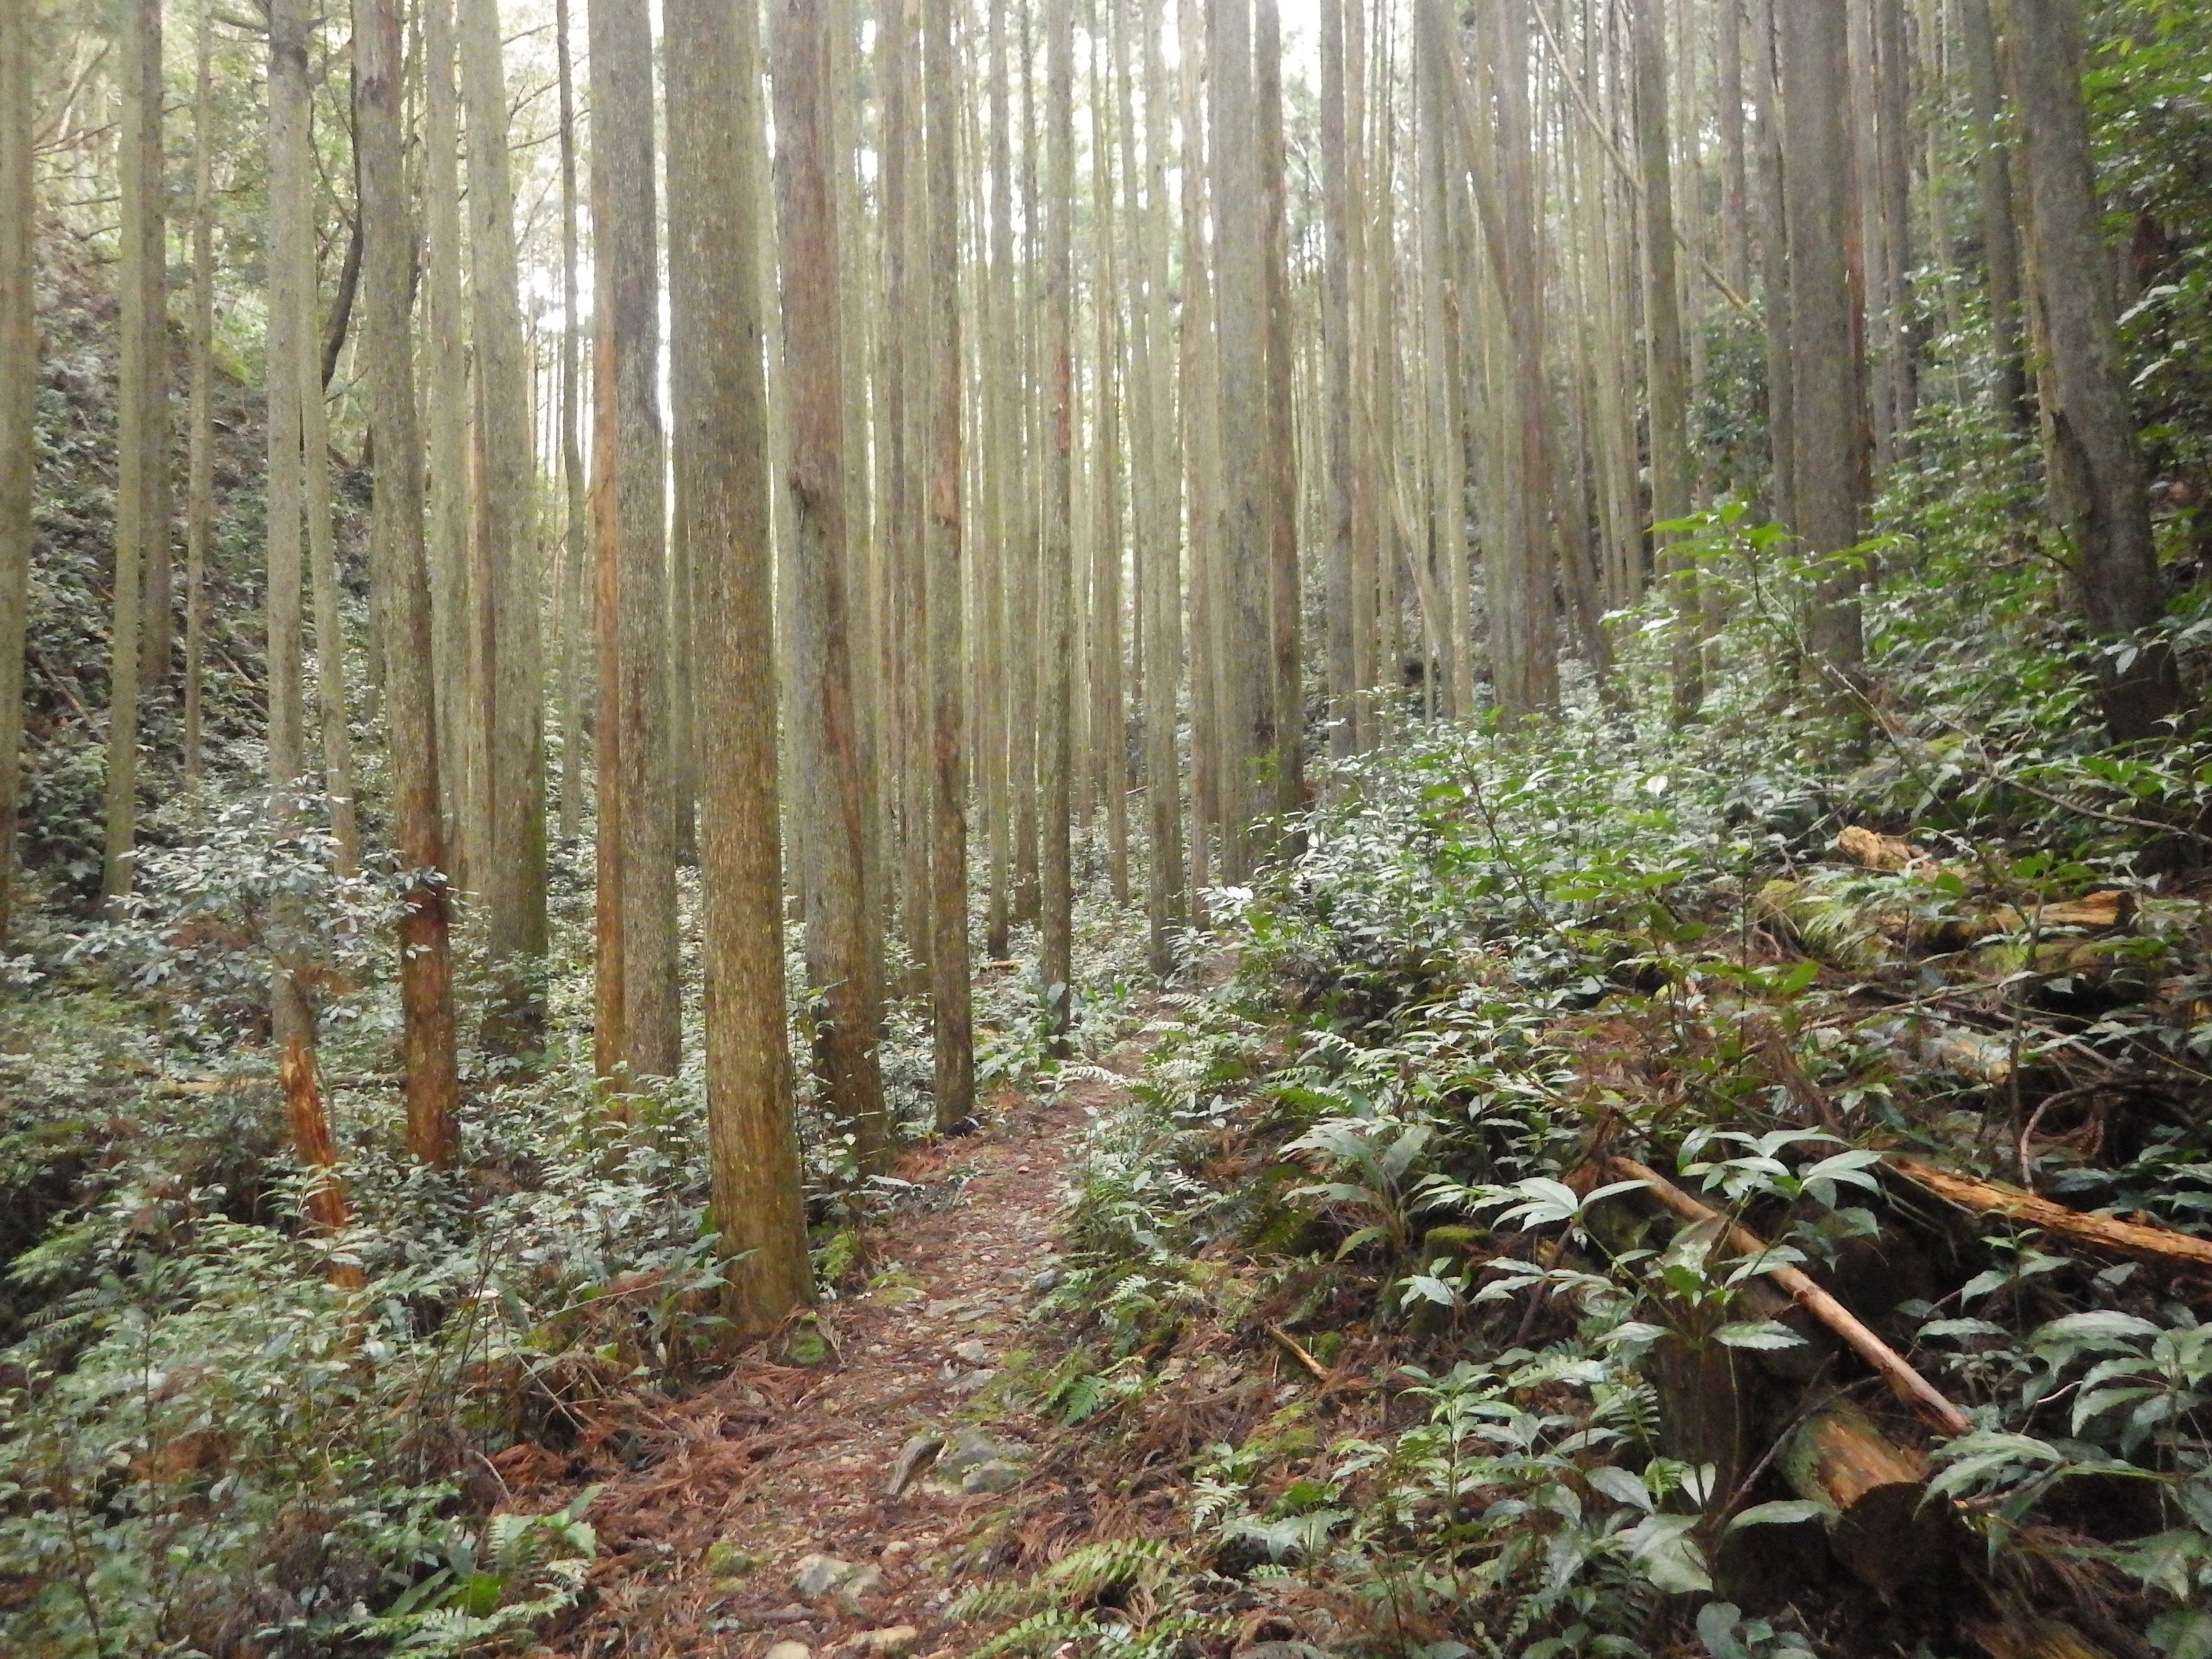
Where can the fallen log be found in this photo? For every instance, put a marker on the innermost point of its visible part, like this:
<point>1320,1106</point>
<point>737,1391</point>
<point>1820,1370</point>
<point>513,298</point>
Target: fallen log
<point>2037,1639</point>
<point>1880,1529</point>
<point>2103,1232</point>
<point>1905,1382</point>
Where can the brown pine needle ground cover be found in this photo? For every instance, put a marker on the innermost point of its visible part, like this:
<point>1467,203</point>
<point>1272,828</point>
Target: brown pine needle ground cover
<point>708,1506</point>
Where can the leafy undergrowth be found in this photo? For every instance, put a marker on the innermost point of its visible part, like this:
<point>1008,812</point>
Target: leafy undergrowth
<point>1388,1351</point>
<point>209,1442</point>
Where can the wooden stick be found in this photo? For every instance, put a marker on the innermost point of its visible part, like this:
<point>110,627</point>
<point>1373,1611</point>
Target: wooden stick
<point>1905,1382</point>
<point>2102,1232</point>
<point>1289,1345</point>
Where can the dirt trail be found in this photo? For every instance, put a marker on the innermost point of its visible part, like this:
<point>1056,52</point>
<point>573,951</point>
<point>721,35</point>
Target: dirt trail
<point>711,1505</point>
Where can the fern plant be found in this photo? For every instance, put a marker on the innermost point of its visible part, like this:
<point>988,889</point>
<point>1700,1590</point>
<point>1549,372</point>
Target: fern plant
<point>525,1569</point>
<point>1115,1592</point>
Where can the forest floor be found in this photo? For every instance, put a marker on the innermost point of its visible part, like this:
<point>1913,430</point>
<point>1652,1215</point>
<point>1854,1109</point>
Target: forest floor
<point>760,1510</point>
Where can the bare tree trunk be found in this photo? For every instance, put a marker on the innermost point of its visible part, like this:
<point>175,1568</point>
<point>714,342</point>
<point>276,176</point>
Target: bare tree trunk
<point>1774,274</point>
<point>636,1003</point>
<point>1161,533</point>
<point>955,1043</point>
<point>142,437</point>
<point>18,391</point>
<point>399,583</point>
<point>512,877</point>
<point>1893,173</point>
<point>1280,489</point>
<point>836,811</point>
<point>1735,200</point>
<point>1828,464</point>
<point>1336,379</point>
<point>1025,600</point>
<point>721,473</point>
<point>1056,968</point>
<point>2098,492</point>
<point>1003,475</point>
<point>1667,368</point>
<point>1201,445</point>
<point>575,534</point>
<point>1109,746</point>
<point>1993,184</point>
<point>336,732</point>
<point>289,337</point>
<point>448,397</point>
<point>199,520</point>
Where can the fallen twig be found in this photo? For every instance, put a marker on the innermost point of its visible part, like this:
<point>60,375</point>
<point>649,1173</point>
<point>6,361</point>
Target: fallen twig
<point>1289,1345</point>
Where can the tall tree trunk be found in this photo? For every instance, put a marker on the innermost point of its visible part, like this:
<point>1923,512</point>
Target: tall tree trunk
<point>836,811</point>
<point>955,1045</point>
<point>1024,607</point>
<point>1993,184</point>
<point>1108,717</point>
<point>2099,491</point>
<point>576,533</point>
<point>141,436</point>
<point>18,391</point>
<point>1735,199</point>
<point>1162,539</point>
<point>1056,968</point>
<point>290,336</point>
<point>1667,365</point>
<point>399,583</point>
<point>1242,365</point>
<point>512,877</point>
<point>199,511</point>
<point>1280,488</point>
<point>1201,444</point>
<point>716,226</point>
<point>447,354</point>
<point>1336,381</point>
<point>1893,172</point>
<point>635,1002</point>
<point>1828,463</point>
<point>336,731</point>
<point>1003,390</point>
<point>1774,274</point>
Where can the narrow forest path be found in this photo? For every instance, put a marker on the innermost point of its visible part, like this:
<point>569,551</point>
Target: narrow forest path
<point>759,1511</point>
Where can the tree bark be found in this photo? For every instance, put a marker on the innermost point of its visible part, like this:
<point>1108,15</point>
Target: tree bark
<point>635,1002</point>
<point>835,811</point>
<point>142,436</point>
<point>399,584</point>
<point>954,1045</point>
<point>1667,365</point>
<point>512,877</point>
<point>575,532</point>
<point>1336,382</point>
<point>335,729</point>
<point>1166,907</point>
<point>1828,397</point>
<point>1993,190</point>
<point>1056,968</point>
<point>447,358</point>
<point>1280,490</point>
<point>721,472</point>
<point>2098,492</point>
<point>18,391</point>
<point>199,511</point>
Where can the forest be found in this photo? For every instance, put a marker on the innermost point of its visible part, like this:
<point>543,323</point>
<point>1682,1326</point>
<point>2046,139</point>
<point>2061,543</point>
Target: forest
<point>1106,828</point>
